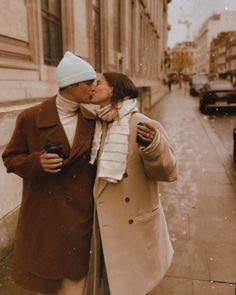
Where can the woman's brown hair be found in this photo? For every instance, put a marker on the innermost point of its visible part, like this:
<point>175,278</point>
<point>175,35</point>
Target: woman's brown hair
<point>122,87</point>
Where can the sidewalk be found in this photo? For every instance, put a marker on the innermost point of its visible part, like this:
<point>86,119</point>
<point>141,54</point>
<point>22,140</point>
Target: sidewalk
<point>200,209</point>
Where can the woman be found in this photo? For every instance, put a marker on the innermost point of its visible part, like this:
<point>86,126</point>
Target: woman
<point>134,236</point>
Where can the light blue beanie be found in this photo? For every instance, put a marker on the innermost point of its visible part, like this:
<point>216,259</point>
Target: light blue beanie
<point>73,69</point>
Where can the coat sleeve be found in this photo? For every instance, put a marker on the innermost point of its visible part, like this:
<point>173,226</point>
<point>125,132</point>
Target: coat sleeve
<point>17,157</point>
<point>159,157</point>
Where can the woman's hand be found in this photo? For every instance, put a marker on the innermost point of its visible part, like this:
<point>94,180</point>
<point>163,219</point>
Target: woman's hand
<point>146,132</point>
<point>51,163</point>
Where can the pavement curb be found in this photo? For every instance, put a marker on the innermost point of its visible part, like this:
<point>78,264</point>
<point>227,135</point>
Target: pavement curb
<point>163,95</point>
<point>220,149</point>
<point>7,230</point>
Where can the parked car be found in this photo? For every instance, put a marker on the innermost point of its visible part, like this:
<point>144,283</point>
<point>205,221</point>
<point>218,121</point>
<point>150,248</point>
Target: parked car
<point>218,96</point>
<point>234,148</point>
<point>197,83</point>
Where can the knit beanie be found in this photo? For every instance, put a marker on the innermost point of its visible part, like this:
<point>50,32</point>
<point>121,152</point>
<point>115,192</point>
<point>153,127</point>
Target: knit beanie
<point>73,69</point>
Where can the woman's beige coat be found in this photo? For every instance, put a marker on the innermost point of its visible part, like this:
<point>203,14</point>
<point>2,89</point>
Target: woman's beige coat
<point>134,234</point>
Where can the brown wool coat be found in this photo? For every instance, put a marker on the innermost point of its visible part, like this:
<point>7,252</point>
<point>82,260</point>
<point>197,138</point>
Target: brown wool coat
<point>135,240</point>
<point>56,214</point>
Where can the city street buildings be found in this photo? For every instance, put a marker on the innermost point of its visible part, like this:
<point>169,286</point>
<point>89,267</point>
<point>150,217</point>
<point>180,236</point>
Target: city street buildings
<point>223,21</point>
<point>223,56</point>
<point>231,58</point>
<point>182,58</point>
<point>128,36</point>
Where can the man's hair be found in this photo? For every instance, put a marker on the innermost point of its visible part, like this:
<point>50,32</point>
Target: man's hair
<point>122,86</point>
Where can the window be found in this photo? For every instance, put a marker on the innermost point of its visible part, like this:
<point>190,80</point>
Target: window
<point>97,36</point>
<point>117,26</point>
<point>133,36</point>
<point>52,33</point>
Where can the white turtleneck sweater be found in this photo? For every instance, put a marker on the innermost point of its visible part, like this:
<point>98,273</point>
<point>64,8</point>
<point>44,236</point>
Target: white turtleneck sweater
<point>67,111</point>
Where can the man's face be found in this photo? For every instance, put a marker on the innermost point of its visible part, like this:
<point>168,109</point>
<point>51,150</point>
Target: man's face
<point>82,91</point>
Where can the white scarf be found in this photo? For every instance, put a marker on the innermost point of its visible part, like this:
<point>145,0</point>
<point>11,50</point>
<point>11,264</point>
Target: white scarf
<point>113,158</point>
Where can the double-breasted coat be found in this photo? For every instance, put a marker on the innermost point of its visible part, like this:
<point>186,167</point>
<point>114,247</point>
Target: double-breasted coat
<point>56,214</point>
<point>134,235</point>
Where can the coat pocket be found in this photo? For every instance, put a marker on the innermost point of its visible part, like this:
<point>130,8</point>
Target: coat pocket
<point>146,216</point>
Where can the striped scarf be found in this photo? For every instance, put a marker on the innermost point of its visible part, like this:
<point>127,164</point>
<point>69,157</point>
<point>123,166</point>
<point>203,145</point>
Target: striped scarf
<point>112,161</point>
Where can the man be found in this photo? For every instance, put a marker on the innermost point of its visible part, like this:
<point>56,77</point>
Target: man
<point>54,230</point>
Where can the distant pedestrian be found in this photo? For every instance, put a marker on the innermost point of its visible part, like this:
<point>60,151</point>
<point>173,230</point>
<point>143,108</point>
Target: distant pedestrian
<point>132,153</point>
<point>169,84</point>
<point>180,81</point>
<point>52,246</point>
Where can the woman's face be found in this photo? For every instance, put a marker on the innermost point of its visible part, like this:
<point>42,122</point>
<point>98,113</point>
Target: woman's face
<point>102,93</point>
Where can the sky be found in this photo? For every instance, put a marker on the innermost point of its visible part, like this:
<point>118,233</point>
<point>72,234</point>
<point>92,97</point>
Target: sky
<point>195,12</point>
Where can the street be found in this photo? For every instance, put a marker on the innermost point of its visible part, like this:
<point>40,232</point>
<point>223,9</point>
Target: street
<point>200,207</point>
<point>223,126</point>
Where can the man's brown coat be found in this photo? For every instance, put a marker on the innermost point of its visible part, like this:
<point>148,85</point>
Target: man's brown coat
<point>56,213</point>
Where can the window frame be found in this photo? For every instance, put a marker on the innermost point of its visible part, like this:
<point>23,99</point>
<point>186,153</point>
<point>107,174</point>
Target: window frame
<point>53,25</point>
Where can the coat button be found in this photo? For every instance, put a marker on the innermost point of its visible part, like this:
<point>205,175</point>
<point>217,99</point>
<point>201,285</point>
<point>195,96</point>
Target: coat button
<point>131,221</point>
<point>74,176</point>
<point>127,199</point>
<point>125,174</point>
<point>69,198</point>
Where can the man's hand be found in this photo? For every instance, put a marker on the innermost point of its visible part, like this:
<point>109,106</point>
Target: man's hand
<point>51,163</point>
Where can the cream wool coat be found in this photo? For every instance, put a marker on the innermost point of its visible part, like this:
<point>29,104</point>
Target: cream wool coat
<point>135,240</point>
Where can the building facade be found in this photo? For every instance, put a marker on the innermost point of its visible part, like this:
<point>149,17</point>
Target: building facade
<point>182,58</point>
<point>223,56</point>
<point>224,21</point>
<point>126,36</point>
<point>129,36</point>
<point>231,58</point>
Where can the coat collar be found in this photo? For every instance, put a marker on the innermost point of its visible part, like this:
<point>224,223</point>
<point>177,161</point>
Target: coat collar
<point>87,113</point>
<point>48,115</point>
<point>99,187</point>
<point>52,130</point>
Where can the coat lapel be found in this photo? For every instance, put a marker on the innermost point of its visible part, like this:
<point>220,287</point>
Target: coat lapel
<point>100,184</point>
<point>83,136</point>
<point>51,129</point>
<point>99,187</point>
